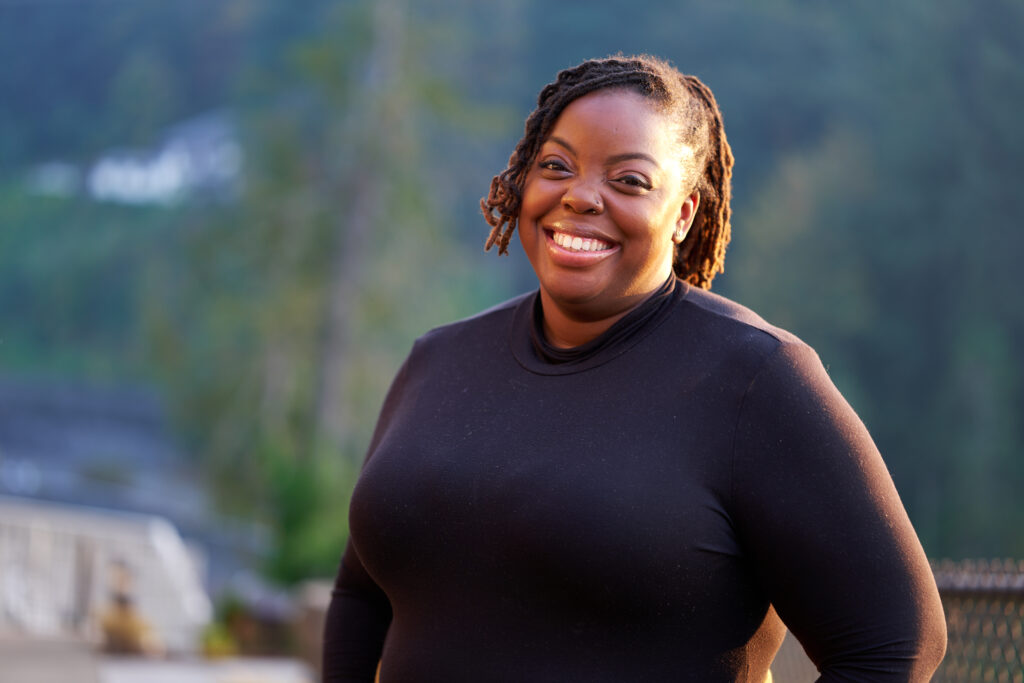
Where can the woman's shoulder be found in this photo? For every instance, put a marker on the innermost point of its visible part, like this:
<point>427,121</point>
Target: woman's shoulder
<point>734,318</point>
<point>783,365</point>
<point>482,329</point>
<point>715,322</point>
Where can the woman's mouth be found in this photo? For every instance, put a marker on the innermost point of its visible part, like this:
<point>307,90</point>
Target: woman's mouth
<point>576,243</point>
<point>576,251</point>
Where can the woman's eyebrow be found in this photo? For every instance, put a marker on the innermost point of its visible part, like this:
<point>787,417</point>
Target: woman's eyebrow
<point>559,141</point>
<point>614,159</point>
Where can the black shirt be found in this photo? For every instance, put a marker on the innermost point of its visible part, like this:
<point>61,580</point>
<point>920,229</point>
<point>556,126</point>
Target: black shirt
<point>652,508</point>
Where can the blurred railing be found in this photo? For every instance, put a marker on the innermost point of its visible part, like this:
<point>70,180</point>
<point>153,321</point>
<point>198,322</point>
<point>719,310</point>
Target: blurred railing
<point>61,565</point>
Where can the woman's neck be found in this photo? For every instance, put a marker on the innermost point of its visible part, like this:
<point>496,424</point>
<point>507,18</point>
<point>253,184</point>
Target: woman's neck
<point>567,328</point>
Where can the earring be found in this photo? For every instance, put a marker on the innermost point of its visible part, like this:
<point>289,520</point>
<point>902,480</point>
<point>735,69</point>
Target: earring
<point>679,234</point>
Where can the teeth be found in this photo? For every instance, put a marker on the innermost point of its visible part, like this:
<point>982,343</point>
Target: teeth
<point>579,243</point>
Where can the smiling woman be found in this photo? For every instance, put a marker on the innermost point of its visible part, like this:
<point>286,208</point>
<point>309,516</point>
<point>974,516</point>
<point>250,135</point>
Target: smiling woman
<point>622,476</point>
<point>603,209</point>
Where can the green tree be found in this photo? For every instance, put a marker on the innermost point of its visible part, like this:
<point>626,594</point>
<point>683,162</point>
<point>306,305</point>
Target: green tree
<point>886,243</point>
<point>281,321</point>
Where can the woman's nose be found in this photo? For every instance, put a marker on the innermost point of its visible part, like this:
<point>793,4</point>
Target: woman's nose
<point>583,197</point>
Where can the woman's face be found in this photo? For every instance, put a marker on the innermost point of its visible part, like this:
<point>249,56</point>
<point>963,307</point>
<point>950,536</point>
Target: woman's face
<point>604,205</point>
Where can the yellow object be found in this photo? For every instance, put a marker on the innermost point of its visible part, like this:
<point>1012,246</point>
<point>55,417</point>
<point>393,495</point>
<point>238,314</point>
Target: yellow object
<point>126,632</point>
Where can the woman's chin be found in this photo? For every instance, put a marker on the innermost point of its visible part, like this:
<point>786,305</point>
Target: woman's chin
<point>584,303</point>
<point>570,293</point>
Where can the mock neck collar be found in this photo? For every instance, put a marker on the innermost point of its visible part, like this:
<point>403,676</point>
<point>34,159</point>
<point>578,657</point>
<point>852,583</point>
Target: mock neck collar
<point>535,353</point>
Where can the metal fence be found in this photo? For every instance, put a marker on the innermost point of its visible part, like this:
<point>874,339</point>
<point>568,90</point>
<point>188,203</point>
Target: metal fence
<point>984,605</point>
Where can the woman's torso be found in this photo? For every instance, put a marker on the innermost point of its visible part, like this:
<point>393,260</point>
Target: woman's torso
<point>555,522</point>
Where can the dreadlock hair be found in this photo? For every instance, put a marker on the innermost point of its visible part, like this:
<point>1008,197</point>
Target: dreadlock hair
<point>687,102</point>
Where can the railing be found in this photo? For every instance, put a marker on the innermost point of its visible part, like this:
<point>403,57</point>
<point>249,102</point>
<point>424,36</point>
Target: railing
<point>59,566</point>
<point>984,606</point>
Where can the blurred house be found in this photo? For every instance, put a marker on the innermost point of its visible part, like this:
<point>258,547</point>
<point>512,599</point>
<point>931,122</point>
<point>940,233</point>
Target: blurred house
<point>197,159</point>
<point>100,446</point>
<point>109,448</point>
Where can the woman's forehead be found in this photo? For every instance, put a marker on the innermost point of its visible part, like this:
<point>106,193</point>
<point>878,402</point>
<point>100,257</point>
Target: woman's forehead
<point>620,121</point>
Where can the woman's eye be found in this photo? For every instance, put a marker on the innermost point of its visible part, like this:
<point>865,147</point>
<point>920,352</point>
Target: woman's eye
<point>553,165</point>
<point>635,181</point>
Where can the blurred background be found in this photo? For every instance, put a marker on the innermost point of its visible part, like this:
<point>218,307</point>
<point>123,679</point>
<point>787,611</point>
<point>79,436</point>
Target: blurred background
<point>222,224</point>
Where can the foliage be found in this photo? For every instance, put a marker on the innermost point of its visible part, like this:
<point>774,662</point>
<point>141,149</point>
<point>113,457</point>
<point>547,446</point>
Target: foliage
<point>217,641</point>
<point>279,320</point>
<point>876,213</point>
<point>888,244</point>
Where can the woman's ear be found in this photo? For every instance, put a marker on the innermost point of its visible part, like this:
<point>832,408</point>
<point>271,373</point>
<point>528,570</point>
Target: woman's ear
<point>687,212</point>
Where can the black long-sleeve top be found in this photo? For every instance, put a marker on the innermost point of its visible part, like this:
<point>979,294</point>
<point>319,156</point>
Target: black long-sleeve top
<point>650,507</point>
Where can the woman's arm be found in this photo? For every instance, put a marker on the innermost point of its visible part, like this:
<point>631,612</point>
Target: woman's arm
<point>826,532</point>
<point>360,613</point>
<point>357,622</point>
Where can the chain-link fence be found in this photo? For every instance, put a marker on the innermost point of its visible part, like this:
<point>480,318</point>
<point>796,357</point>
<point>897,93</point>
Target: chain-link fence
<point>984,604</point>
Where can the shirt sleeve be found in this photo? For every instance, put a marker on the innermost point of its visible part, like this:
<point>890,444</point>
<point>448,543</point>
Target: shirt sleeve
<point>357,623</point>
<point>359,614</point>
<point>827,536</point>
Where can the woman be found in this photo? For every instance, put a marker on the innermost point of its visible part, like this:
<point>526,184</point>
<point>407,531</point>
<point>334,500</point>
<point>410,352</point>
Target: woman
<point>623,477</point>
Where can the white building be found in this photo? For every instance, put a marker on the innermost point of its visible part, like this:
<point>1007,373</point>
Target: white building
<point>197,158</point>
